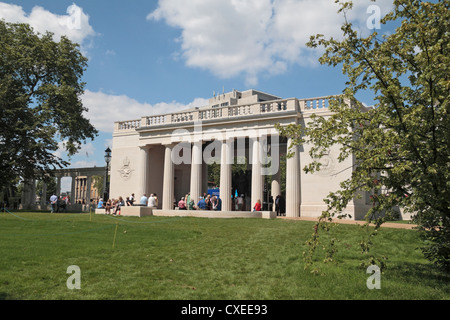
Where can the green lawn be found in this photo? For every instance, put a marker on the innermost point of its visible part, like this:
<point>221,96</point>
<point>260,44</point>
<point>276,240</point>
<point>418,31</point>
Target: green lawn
<point>199,258</point>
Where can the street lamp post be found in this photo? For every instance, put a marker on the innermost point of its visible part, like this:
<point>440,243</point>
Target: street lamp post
<point>107,160</point>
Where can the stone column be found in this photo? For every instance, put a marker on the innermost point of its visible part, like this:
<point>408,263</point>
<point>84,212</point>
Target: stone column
<point>72,190</point>
<point>257,178</point>
<point>204,181</point>
<point>143,154</point>
<point>293,182</point>
<point>26,194</point>
<point>77,189</point>
<point>168,187</point>
<point>196,171</point>
<point>88,191</point>
<point>83,190</point>
<point>44,196</point>
<point>225,175</point>
<point>58,186</point>
<point>276,187</point>
<point>33,194</point>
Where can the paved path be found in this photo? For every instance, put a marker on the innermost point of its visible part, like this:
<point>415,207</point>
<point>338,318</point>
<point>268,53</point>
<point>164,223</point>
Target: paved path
<point>347,221</point>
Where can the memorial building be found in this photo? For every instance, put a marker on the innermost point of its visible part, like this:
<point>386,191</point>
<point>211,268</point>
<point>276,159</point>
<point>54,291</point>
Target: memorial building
<point>168,154</point>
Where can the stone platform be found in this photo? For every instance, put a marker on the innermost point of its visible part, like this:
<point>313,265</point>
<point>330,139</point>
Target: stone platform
<point>215,214</point>
<point>130,211</point>
<point>142,211</point>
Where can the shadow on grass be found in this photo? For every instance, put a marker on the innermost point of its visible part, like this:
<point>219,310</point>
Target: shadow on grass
<point>4,296</point>
<point>424,273</point>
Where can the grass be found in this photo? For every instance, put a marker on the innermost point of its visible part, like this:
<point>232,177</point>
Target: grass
<point>174,258</point>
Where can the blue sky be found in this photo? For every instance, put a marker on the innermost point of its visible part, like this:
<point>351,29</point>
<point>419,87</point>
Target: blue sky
<point>150,57</point>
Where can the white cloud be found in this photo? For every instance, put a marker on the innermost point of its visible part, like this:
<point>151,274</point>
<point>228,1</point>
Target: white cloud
<point>105,109</point>
<point>75,24</point>
<point>108,143</point>
<point>87,150</point>
<point>231,37</point>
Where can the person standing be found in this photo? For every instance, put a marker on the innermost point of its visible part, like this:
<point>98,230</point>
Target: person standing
<point>240,203</point>
<point>53,202</point>
<point>277,205</point>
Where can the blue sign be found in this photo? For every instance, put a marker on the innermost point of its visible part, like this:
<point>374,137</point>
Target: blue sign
<point>214,192</point>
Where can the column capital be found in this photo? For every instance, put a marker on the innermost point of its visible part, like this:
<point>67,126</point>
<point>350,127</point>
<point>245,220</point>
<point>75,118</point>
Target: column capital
<point>169,144</point>
<point>147,147</point>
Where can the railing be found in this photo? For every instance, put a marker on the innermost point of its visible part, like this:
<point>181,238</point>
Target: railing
<point>317,103</point>
<point>210,114</point>
<point>273,106</point>
<point>226,112</point>
<point>235,111</point>
<point>129,125</point>
<point>155,120</point>
<point>182,117</point>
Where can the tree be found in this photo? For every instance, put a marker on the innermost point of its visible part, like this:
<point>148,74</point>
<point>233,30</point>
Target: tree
<point>401,144</point>
<point>40,90</point>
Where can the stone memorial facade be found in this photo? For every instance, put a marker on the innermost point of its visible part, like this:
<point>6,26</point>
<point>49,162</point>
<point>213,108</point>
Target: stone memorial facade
<point>168,154</point>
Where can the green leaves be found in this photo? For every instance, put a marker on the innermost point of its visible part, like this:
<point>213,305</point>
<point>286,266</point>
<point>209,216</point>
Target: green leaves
<point>40,90</point>
<point>401,144</point>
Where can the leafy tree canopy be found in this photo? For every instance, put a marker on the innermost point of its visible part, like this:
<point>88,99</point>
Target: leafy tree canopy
<point>401,144</point>
<point>40,90</point>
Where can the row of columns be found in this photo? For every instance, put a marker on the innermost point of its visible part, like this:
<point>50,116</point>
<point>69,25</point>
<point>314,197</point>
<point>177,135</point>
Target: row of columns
<point>29,193</point>
<point>292,176</point>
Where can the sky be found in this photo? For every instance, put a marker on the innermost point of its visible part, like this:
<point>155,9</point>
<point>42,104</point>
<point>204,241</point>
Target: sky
<point>153,57</point>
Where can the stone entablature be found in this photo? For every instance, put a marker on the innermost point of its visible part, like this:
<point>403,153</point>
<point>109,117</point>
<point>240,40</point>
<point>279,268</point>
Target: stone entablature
<point>211,113</point>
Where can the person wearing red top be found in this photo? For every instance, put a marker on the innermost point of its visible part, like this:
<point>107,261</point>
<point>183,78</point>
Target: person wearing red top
<point>257,206</point>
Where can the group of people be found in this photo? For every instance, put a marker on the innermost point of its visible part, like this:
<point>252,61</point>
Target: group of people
<point>112,206</point>
<point>151,201</point>
<point>210,202</point>
<point>59,203</point>
<point>206,202</point>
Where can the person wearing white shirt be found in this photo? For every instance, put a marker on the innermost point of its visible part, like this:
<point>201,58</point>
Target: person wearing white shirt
<point>152,202</point>
<point>53,201</point>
